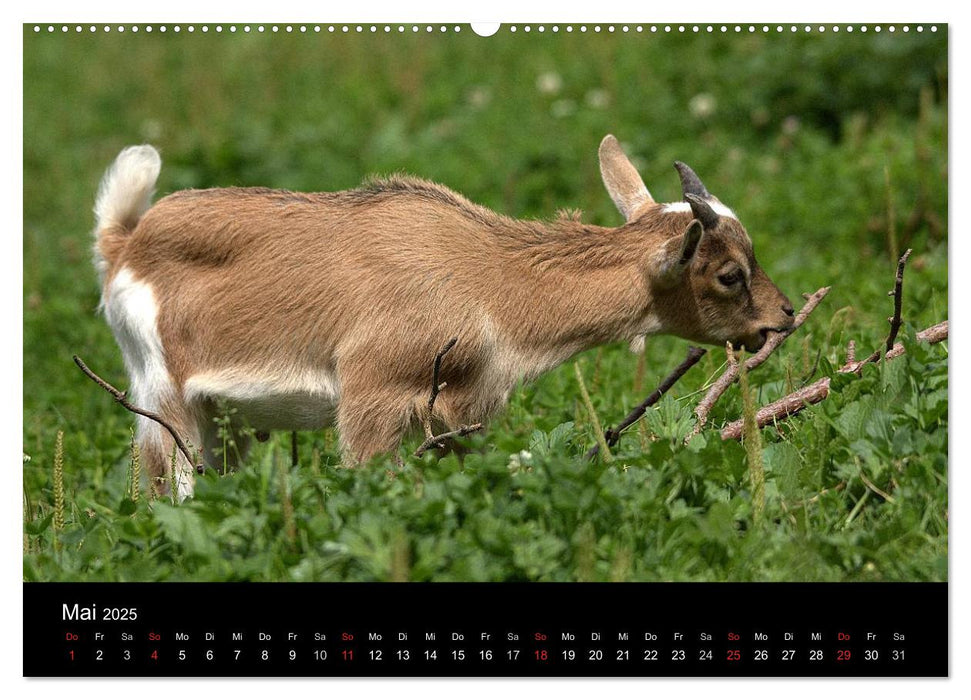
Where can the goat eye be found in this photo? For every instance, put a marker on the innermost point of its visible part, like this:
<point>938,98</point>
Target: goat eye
<point>731,278</point>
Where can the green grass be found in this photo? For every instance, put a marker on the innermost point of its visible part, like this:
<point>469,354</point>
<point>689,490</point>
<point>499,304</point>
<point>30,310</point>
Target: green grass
<point>832,148</point>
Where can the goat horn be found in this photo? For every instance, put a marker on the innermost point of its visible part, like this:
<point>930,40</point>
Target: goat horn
<point>690,183</point>
<point>702,211</point>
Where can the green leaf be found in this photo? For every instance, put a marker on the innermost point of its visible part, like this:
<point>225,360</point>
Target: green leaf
<point>184,527</point>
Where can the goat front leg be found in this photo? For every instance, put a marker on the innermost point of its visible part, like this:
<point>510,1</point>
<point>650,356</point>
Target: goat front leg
<point>371,423</point>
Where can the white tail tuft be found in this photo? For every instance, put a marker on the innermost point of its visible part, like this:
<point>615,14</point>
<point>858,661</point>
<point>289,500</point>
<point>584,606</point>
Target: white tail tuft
<point>125,193</point>
<point>126,189</point>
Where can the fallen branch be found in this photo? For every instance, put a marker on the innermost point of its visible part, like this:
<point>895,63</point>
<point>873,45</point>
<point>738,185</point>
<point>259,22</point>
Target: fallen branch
<point>730,375</point>
<point>934,334</point>
<point>432,440</point>
<point>819,390</point>
<point>121,397</point>
<point>783,408</point>
<point>612,435</point>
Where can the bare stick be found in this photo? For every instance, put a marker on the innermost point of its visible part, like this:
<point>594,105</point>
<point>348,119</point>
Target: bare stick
<point>436,386</point>
<point>612,435</point>
<point>773,341</point>
<point>121,397</point>
<point>432,440</point>
<point>819,390</point>
<point>783,408</point>
<point>897,293</point>
<point>934,334</point>
<point>438,441</point>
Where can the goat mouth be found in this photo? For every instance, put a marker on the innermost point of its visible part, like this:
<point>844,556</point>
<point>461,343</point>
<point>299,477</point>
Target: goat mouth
<point>754,343</point>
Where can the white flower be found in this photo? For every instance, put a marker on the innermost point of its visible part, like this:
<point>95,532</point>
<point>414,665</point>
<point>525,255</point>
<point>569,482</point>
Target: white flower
<point>549,83</point>
<point>702,105</point>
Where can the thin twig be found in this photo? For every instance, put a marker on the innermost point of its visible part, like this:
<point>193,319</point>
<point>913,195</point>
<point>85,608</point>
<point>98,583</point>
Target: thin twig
<point>612,435</point>
<point>438,441</point>
<point>121,397</point>
<point>436,386</point>
<point>773,341</point>
<point>897,293</point>
<point>870,485</point>
<point>931,335</point>
<point>432,440</point>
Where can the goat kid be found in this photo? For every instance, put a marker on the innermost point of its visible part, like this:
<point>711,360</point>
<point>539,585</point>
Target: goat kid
<point>301,310</point>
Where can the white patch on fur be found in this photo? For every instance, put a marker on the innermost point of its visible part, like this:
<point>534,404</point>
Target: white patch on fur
<point>298,400</point>
<point>718,207</point>
<point>131,310</point>
<point>125,193</point>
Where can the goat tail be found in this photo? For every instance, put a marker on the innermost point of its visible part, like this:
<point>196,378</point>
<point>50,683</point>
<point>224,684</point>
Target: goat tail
<point>124,195</point>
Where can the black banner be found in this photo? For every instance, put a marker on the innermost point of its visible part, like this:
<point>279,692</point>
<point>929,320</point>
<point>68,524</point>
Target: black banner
<point>465,629</point>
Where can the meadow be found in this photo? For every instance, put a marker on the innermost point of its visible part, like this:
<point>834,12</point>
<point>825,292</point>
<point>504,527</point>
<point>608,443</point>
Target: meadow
<point>831,147</point>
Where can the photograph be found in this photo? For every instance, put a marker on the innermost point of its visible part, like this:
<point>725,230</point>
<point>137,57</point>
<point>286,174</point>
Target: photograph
<point>565,303</point>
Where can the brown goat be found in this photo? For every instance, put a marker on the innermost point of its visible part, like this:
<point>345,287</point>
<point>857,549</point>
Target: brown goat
<point>299,310</point>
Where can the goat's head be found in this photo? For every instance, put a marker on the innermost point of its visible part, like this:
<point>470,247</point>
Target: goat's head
<point>706,284</point>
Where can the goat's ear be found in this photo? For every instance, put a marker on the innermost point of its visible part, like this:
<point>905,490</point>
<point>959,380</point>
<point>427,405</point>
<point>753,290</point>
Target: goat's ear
<point>621,179</point>
<point>678,254</point>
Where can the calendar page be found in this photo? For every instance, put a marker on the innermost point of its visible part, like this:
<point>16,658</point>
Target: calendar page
<point>436,349</point>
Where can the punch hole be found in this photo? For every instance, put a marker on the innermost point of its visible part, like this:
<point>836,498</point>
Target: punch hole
<point>485,28</point>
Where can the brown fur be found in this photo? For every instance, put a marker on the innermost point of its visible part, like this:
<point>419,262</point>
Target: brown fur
<point>367,285</point>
